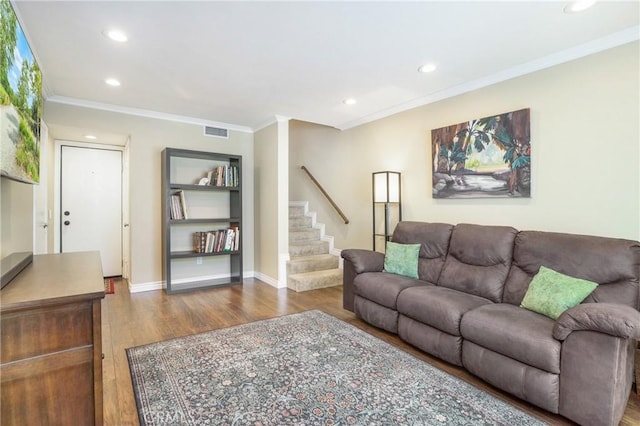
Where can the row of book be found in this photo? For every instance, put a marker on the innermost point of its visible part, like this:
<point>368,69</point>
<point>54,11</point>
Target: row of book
<point>217,241</point>
<point>225,175</point>
<point>178,206</point>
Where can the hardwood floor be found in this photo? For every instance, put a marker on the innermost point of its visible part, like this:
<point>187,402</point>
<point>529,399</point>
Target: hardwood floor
<point>135,319</point>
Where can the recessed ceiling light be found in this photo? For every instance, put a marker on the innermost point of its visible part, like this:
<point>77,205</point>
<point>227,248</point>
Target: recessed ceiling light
<point>350,101</point>
<point>115,35</point>
<point>427,68</point>
<point>92,137</point>
<point>112,82</point>
<point>579,6</point>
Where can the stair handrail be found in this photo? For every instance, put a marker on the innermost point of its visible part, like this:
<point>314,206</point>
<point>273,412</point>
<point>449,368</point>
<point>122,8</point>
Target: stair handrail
<point>335,206</point>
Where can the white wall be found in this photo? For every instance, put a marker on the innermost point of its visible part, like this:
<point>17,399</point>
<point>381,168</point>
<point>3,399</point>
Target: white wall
<point>148,137</point>
<point>585,124</point>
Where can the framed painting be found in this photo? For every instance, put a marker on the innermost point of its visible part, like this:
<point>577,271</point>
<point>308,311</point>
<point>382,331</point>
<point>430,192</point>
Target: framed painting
<point>20,101</point>
<point>483,158</point>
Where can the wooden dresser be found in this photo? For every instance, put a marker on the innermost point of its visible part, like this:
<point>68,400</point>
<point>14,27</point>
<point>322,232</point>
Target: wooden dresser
<point>51,342</point>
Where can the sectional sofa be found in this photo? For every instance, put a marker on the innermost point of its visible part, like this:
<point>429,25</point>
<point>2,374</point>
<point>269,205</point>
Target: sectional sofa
<point>464,308</point>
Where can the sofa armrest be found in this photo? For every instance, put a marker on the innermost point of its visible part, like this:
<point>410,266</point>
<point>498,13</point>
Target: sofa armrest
<point>609,318</point>
<point>364,260</point>
<point>357,261</point>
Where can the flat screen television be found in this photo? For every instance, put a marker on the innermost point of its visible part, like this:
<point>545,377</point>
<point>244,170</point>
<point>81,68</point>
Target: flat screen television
<point>20,101</point>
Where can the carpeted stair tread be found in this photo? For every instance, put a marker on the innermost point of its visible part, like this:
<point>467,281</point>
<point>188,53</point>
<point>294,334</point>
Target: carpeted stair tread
<point>316,262</point>
<point>296,222</point>
<point>311,265</point>
<point>296,211</point>
<point>305,248</point>
<point>305,234</point>
<point>315,279</point>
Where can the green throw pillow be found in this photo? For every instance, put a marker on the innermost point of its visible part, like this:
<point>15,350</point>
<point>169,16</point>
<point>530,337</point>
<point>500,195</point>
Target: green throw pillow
<point>551,293</point>
<point>402,259</point>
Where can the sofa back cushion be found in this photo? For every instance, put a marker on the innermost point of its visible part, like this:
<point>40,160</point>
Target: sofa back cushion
<point>479,259</point>
<point>434,240</point>
<point>612,263</point>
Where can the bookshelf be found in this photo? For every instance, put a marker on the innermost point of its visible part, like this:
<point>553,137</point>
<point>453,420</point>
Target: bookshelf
<point>201,195</point>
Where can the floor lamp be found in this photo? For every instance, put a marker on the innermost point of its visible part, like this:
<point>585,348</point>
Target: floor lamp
<point>387,208</point>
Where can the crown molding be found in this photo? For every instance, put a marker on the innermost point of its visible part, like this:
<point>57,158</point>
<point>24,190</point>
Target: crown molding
<point>270,121</point>
<point>629,35</point>
<point>145,113</point>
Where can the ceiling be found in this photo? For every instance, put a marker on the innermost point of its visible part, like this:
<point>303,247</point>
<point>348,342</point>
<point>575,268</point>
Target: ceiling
<point>240,64</point>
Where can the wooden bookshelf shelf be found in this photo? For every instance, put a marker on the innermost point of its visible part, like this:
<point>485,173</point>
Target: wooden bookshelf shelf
<point>204,220</point>
<point>190,187</point>
<point>189,254</point>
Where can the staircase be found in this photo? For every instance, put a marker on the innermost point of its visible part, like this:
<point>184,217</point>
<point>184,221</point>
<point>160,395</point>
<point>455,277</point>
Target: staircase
<point>311,266</point>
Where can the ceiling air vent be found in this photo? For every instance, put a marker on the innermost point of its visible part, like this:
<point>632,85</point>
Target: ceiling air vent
<point>216,132</point>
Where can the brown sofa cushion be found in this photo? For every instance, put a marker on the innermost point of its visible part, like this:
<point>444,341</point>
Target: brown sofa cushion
<point>377,315</point>
<point>514,332</point>
<point>383,288</point>
<point>610,262</point>
<point>479,260</point>
<point>439,307</point>
<point>434,238</point>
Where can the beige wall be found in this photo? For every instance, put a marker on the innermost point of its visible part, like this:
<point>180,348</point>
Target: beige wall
<point>16,207</point>
<point>337,166</point>
<point>585,154</point>
<point>266,194</point>
<point>267,205</point>
<point>585,124</point>
<point>148,137</point>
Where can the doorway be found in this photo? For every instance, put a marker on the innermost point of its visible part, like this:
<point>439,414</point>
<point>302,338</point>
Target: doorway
<point>90,209</point>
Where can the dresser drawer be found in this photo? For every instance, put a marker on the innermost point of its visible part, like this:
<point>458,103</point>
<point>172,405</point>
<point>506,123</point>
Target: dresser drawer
<point>44,330</point>
<point>52,389</point>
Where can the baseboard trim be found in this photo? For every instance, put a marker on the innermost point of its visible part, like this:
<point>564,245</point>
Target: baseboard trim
<point>268,280</point>
<point>161,285</point>
<point>140,287</point>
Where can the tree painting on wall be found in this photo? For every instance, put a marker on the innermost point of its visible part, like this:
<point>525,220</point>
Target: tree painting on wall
<point>483,158</point>
<point>20,101</point>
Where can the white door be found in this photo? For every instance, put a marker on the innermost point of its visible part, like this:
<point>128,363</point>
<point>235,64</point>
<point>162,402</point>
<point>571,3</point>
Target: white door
<point>91,204</point>
<point>40,199</point>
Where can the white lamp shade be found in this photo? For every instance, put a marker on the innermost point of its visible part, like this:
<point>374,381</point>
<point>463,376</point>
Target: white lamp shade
<point>380,188</point>
<point>394,187</point>
<point>386,187</point>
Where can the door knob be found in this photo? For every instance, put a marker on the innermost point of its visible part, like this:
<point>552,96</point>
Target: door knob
<point>66,222</point>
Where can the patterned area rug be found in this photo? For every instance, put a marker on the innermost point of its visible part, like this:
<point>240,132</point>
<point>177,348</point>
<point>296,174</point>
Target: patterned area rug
<point>307,368</point>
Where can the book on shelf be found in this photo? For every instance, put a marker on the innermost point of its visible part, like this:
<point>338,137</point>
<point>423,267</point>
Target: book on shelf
<point>228,244</point>
<point>236,238</point>
<point>225,176</point>
<point>216,241</point>
<point>183,203</point>
<point>178,206</point>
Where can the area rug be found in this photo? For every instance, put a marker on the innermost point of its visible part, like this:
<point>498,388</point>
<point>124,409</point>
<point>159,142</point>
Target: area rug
<point>109,286</point>
<point>302,369</point>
